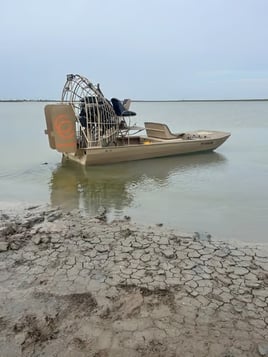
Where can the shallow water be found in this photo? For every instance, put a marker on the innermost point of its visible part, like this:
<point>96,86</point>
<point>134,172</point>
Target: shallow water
<point>224,193</point>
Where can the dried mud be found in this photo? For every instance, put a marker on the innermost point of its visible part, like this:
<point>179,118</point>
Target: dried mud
<point>75,286</point>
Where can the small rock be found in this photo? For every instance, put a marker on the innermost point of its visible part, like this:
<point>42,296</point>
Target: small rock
<point>46,239</point>
<point>145,258</point>
<point>168,253</point>
<point>189,265</point>
<point>262,254</point>
<point>161,272</point>
<point>30,222</point>
<point>3,246</point>
<point>10,229</point>
<point>126,232</point>
<point>261,293</point>
<point>126,249</point>
<point>237,253</point>
<point>54,216</point>
<point>30,208</point>
<point>193,254</point>
<point>102,248</point>
<point>253,284</point>
<point>14,246</point>
<point>37,240</point>
<point>102,214</point>
<point>163,241</point>
<point>238,306</point>
<point>263,349</point>
<point>240,271</point>
<point>263,276</point>
<point>222,253</point>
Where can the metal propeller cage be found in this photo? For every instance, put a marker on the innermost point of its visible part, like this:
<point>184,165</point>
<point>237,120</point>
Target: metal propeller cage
<point>97,122</point>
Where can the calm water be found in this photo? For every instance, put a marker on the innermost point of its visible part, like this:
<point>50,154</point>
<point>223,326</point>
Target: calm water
<point>224,193</point>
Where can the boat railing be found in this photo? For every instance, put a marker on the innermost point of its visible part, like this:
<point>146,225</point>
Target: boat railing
<point>98,125</point>
<point>98,120</point>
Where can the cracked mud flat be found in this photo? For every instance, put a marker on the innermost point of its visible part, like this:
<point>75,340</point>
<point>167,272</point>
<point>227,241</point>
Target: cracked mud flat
<point>77,286</point>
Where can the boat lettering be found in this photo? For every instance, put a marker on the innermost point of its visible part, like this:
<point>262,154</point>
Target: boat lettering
<point>207,143</point>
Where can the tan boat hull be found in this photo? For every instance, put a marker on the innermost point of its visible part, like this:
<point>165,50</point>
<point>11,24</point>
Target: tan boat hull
<point>148,149</point>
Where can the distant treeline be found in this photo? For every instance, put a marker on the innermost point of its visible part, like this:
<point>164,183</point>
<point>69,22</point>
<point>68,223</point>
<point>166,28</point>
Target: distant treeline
<point>147,100</point>
<point>29,100</point>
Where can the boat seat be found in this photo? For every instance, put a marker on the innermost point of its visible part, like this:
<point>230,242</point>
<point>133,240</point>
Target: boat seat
<point>126,103</point>
<point>120,110</point>
<point>160,131</point>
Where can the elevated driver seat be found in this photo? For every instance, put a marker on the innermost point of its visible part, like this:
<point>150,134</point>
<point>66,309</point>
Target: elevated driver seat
<point>120,110</point>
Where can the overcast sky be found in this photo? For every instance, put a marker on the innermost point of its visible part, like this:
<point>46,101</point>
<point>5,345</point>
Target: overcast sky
<point>142,49</point>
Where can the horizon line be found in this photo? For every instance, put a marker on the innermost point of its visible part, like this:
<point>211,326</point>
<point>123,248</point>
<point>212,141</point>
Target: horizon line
<point>149,100</point>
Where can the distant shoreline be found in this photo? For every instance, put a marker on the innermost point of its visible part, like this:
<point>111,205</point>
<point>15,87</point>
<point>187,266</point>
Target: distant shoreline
<point>142,100</point>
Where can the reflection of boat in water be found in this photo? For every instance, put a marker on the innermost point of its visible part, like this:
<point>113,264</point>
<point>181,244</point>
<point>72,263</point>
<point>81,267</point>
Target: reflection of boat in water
<point>91,130</point>
<point>114,186</point>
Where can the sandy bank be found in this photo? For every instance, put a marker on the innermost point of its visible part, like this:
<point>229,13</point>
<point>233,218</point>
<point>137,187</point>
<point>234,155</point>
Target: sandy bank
<point>76,286</point>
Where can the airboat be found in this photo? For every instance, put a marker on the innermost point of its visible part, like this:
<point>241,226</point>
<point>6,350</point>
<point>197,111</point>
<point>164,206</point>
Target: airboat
<point>89,129</point>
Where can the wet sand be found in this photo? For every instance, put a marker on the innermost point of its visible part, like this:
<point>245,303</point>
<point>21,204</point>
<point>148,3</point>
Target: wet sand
<point>75,286</point>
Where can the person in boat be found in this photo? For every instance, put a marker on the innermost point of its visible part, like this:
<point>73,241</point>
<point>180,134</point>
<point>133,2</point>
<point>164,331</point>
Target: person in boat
<point>94,113</point>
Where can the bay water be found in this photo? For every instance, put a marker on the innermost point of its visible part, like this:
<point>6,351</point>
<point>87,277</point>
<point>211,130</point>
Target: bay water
<point>224,193</point>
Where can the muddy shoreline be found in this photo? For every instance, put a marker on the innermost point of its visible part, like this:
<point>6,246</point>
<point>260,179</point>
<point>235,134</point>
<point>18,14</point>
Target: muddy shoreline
<point>73,285</point>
